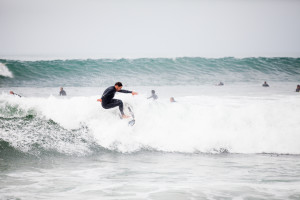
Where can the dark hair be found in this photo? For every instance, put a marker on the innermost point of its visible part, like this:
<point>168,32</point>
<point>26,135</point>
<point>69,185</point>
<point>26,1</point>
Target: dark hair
<point>118,84</point>
<point>153,91</point>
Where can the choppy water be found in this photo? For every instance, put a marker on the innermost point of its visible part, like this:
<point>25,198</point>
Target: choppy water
<point>238,141</point>
<point>152,175</point>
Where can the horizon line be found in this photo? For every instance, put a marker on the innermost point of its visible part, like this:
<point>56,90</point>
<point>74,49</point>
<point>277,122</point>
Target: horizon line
<point>51,58</point>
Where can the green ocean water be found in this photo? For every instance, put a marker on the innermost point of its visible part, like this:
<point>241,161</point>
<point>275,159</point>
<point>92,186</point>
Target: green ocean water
<point>148,71</point>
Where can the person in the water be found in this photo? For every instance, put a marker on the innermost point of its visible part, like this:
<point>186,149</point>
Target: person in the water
<point>62,92</point>
<point>265,84</point>
<point>11,92</point>
<point>172,100</point>
<point>298,88</point>
<point>107,100</point>
<point>153,95</point>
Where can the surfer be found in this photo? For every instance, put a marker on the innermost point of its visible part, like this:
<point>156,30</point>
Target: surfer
<point>11,92</point>
<point>172,100</point>
<point>220,84</point>
<point>298,88</point>
<point>265,84</point>
<point>153,95</point>
<point>62,92</point>
<point>107,100</point>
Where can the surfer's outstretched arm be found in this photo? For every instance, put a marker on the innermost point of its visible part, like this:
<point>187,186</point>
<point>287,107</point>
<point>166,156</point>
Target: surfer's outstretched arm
<point>127,91</point>
<point>124,91</point>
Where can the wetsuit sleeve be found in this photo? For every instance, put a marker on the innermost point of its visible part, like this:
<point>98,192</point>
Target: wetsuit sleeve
<point>108,91</point>
<point>125,91</point>
<point>150,97</point>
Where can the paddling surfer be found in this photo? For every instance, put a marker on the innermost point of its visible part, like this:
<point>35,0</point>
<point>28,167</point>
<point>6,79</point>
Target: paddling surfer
<point>15,94</point>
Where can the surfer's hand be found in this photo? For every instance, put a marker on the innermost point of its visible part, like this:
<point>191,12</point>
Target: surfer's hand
<point>134,93</point>
<point>100,100</point>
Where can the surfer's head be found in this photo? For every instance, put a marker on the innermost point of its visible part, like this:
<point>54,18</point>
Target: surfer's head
<point>153,91</point>
<point>118,86</point>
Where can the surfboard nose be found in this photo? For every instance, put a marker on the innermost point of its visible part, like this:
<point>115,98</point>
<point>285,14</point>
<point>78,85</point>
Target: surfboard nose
<point>131,122</point>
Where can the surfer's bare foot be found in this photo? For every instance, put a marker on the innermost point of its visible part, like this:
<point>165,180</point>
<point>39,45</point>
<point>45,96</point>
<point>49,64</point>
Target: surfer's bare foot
<point>125,116</point>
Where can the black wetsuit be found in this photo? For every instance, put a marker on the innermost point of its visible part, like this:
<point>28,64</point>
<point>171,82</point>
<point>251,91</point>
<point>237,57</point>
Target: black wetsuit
<point>17,95</point>
<point>154,96</point>
<point>108,101</point>
<point>62,93</point>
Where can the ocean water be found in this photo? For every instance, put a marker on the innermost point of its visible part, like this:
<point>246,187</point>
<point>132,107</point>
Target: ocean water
<point>237,141</point>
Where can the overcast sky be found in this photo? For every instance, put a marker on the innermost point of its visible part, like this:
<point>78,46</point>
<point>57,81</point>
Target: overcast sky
<point>152,28</point>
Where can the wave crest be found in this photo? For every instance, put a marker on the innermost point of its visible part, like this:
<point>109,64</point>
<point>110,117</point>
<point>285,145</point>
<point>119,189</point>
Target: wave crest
<point>4,71</point>
<point>207,124</point>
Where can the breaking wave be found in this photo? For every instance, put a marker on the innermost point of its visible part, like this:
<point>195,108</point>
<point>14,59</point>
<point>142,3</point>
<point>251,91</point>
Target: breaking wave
<point>4,71</point>
<point>207,124</point>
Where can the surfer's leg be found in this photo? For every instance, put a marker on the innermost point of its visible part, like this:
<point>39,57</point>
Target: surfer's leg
<point>120,103</point>
<point>114,103</point>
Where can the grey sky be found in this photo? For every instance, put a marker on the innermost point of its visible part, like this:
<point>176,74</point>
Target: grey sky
<point>153,28</point>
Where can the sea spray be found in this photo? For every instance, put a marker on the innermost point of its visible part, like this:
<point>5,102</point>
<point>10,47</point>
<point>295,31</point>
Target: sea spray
<point>4,71</point>
<point>205,124</point>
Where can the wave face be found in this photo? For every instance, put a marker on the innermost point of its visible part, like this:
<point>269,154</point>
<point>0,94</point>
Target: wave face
<point>208,124</point>
<point>147,72</point>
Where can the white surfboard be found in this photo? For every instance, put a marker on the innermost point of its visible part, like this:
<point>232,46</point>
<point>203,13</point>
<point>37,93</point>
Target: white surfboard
<point>129,112</point>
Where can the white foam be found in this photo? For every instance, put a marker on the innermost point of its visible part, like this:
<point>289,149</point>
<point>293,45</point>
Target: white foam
<point>194,123</point>
<point>4,71</point>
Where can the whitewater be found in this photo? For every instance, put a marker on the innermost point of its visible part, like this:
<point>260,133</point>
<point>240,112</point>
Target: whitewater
<point>237,141</point>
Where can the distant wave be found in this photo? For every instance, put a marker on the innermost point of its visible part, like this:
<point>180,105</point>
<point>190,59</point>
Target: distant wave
<point>147,71</point>
<point>4,71</point>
